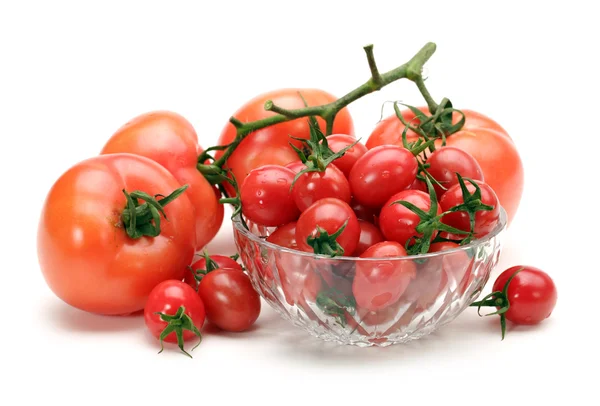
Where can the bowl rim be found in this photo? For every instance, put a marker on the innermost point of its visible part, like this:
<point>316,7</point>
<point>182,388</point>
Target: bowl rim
<point>501,226</point>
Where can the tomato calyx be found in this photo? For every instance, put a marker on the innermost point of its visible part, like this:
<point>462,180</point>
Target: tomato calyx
<point>499,300</point>
<point>176,324</point>
<point>143,219</point>
<point>325,244</point>
<point>200,273</point>
<point>335,303</point>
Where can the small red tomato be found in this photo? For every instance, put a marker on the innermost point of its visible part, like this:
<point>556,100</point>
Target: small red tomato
<point>445,162</point>
<point>382,172</point>
<point>266,197</point>
<point>380,283</point>
<point>199,267</point>
<point>531,294</point>
<point>284,236</point>
<point>363,212</point>
<point>398,223</point>
<point>369,235</point>
<point>485,220</point>
<point>174,298</point>
<point>328,215</point>
<point>231,302</point>
<point>418,184</point>
<point>337,142</point>
<point>313,186</point>
<point>296,166</point>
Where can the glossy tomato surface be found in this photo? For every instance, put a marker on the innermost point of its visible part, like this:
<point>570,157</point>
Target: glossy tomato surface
<point>313,186</point>
<point>200,266</point>
<point>337,142</point>
<point>369,236</point>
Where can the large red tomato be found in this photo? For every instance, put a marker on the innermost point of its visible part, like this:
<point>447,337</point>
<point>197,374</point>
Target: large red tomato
<point>270,145</point>
<point>85,253</point>
<point>483,138</point>
<point>170,140</point>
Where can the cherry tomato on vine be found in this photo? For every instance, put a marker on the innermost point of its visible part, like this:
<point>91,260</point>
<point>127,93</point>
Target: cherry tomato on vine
<point>230,300</point>
<point>380,173</point>
<point>445,162</point>
<point>271,145</point>
<point>174,306</point>
<point>266,197</point>
<point>296,166</point>
<point>169,139</point>
<point>328,216</point>
<point>418,184</point>
<point>200,266</point>
<point>284,236</point>
<point>378,284</point>
<point>337,142</point>
<point>313,186</point>
<point>369,236</point>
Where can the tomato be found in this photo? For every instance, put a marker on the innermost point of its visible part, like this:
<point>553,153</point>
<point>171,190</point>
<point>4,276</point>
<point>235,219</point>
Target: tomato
<point>166,299</point>
<point>446,162</point>
<point>482,138</point>
<point>328,214</point>
<point>485,220</point>
<point>418,184</point>
<point>313,186</point>
<point>293,271</point>
<point>84,251</point>
<point>271,145</point>
<point>296,166</point>
<point>382,172</point>
<point>266,197</point>
<point>284,236</point>
<point>380,282</point>
<point>221,261</point>
<point>337,142</point>
<point>230,300</point>
<point>532,294</point>
<point>369,235</point>
<point>363,212</point>
<point>170,140</point>
<point>398,223</point>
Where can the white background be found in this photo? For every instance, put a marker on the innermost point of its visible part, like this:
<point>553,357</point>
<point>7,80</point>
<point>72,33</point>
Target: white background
<point>72,73</point>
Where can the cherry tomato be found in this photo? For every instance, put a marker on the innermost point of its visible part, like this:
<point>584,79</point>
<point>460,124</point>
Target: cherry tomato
<point>369,236</point>
<point>382,172</point>
<point>313,186</point>
<point>445,162</point>
<point>266,197</point>
<point>285,236</point>
<point>169,139</point>
<point>337,142</point>
<point>379,283</point>
<point>418,184</point>
<point>166,298</point>
<point>85,253</point>
<point>293,271</point>
<point>328,214</point>
<point>296,166</point>
<point>230,300</point>
<point>363,212</point>
<point>221,261</point>
<point>271,145</point>
<point>398,223</point>
<point>532,294</point>
<point>485,220</point>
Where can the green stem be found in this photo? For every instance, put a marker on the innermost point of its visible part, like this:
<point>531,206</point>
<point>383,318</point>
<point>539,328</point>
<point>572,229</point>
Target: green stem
<point>426,95</point>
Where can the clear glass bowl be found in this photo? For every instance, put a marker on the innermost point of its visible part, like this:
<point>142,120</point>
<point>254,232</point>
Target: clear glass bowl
<point>315,292</point>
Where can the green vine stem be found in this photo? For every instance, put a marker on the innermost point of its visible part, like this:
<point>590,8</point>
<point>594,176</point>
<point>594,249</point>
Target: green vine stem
<point>411,70</point>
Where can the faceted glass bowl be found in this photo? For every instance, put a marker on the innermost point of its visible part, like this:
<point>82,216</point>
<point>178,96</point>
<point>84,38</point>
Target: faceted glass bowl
<point>316,292</point>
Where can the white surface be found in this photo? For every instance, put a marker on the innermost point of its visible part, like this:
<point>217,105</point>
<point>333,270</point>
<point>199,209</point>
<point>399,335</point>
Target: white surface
<point>71,74</point>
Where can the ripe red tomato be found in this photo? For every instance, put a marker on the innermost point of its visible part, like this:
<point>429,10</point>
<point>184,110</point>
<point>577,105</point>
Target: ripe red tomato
<point>270,145</point>
<point>337,142</point>
<point>398,223</point>
<point>284,236</point>
<point>380,173</point>
<point>363,212</point>
<point>84,251</point>
<point>170,140</point>
<point>296,166</point>
<point>446,162</point>
<point>167,298</point>
<point>313,186</point>
<point>418,184</point>
<point>230,300</point>
<point>369,236</point>
<point>293,271</point>
<point>221,261</point>
<point>482,138</point>
<point>328,214</point>
<point>379,283</point>
<point>532,294</point>
<point>485,220</point>
<point>266,197</point>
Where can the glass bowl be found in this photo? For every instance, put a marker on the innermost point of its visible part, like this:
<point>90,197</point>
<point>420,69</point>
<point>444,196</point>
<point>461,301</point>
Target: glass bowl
<point>317,293</point>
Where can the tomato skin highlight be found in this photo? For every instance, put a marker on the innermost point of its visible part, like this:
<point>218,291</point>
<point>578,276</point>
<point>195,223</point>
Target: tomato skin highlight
<point>532,294</point>
<point>369,236</point>
<point>266,197</point>
<point>380,173</point>
<point>169,139</point>
<point>230,300</point>
<point>85,255</point>
<point>445,162</point>
<point>337,142</point>
<point>222,261</point>
<point>166,298</point>
<point>270,145</point>
<point>313,186</point>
